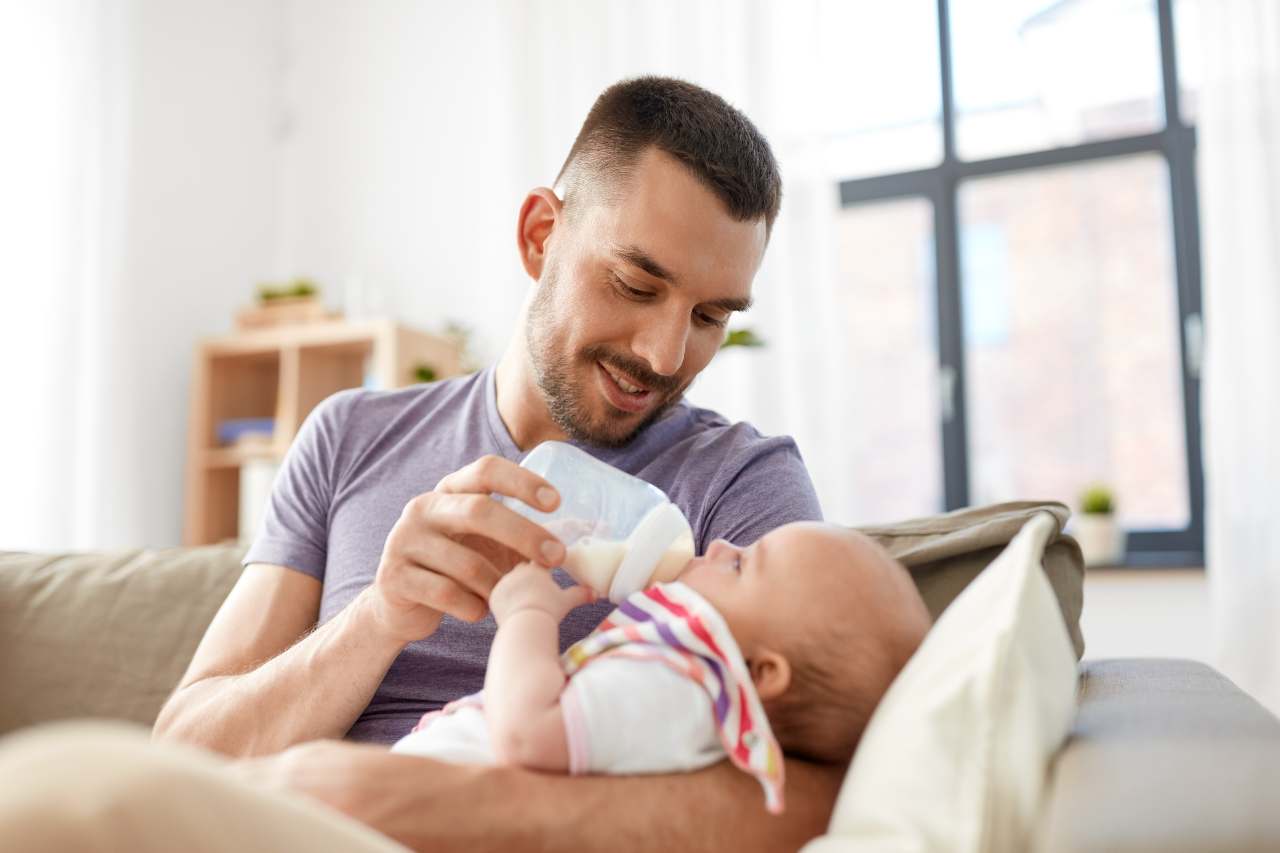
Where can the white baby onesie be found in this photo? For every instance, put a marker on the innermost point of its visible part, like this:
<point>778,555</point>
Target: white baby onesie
<point>659,686</point>
<point>621,716</point>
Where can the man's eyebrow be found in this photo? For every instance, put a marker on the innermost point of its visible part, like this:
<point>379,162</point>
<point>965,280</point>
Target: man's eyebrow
<point>730,304</point>
<point>638,257</point>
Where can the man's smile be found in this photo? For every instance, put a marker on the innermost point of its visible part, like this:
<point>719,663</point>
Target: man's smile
<point>621,392</point>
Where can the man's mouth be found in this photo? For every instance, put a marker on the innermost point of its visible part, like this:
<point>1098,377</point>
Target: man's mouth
<point>623,382</point>
<point>622,392</point>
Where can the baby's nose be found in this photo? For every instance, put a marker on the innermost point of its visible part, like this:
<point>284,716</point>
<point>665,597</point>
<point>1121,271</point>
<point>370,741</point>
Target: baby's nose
<point>717,548</point>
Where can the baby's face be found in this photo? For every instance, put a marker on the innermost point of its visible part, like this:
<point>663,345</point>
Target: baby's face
<point>781,583</point>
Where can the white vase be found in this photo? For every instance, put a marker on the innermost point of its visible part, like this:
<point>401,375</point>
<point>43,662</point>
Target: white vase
<point>1100,537</point>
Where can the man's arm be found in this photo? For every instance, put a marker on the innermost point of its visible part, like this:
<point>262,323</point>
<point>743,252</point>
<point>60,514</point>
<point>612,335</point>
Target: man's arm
<point>240,694</point>
<point>431,805</point>
<point>254,687</point>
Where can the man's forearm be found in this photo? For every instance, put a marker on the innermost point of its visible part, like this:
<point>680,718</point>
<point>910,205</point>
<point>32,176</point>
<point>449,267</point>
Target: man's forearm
<point>315,689</point>
<point>428,805</point>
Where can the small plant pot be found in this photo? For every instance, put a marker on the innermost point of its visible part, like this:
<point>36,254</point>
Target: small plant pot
<point>1101,538</point>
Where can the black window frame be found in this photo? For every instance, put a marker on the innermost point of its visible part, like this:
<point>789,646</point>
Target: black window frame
<point>1176,143</point>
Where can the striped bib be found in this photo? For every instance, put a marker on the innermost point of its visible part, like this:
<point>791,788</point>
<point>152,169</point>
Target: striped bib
<point>671,624</point>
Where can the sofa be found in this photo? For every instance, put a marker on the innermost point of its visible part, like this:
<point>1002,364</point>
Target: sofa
<point>1164,755</point>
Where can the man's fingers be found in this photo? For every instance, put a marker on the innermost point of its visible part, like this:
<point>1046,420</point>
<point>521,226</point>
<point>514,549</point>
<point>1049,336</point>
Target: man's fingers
<point>462,564</point>
<point>423,586</point>
<point>462,514</point>
<point>490,474</point>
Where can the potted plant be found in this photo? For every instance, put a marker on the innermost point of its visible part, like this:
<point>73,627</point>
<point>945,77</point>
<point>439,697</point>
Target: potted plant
<point>1095,528</point>
<point>297,301</point>
<point>742,338</point>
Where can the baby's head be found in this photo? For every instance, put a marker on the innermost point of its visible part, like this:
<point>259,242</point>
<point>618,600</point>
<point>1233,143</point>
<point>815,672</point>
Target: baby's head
<point>825,620</point>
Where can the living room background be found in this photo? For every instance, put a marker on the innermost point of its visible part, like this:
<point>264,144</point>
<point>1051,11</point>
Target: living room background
<point>174,154</point>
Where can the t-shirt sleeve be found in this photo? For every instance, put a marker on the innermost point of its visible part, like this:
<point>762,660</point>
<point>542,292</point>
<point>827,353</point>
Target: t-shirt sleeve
<point>295,526</point>
<point>624,715</point>
<point>771,489</point>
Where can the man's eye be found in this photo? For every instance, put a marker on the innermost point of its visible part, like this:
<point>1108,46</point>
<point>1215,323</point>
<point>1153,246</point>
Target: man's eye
<point>707,320</point>
<point>627,290</point>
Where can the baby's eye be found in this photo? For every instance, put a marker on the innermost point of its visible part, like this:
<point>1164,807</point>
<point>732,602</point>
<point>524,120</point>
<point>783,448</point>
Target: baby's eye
<point>737,561</point>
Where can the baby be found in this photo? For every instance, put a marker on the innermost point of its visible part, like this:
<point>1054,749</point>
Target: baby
<point>783,646</point>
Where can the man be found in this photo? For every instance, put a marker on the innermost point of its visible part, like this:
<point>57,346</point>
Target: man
<point>364,598</point>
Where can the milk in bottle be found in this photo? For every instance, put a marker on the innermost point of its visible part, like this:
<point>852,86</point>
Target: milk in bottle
<point>621,534</point>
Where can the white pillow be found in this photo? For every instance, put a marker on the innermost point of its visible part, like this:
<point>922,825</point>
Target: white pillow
<point>955,757</point>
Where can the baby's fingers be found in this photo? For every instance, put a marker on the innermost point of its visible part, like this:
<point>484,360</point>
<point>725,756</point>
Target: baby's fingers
<point>578,595</point>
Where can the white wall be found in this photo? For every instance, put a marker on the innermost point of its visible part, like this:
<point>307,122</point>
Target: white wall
<point>400,179</point>
<point>1147,613</point>
<point>200,230</point>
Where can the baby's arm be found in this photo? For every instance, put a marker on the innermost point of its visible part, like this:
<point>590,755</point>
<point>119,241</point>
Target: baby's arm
<point>523,682</point>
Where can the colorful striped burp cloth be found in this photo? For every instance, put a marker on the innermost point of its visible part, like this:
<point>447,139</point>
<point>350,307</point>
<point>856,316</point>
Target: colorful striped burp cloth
<point>671,624</point>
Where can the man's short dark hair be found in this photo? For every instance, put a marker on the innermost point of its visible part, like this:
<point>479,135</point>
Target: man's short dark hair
<point>718,144</point>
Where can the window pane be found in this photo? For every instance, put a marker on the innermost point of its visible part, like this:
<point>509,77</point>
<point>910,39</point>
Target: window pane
<point>885,98</point>
<point>1071,322</point>
<point>1186,41</point>
<point>1031,74</point>
<point>889,404</point>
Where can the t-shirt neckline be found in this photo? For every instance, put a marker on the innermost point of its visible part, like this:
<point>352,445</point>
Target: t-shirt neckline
<point>497,429</point>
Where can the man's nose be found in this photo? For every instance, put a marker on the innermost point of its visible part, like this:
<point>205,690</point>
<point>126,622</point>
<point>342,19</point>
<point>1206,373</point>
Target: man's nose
<point>662,343</point>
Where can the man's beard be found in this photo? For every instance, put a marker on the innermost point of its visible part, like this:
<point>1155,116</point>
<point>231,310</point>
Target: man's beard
<point>565,400</point>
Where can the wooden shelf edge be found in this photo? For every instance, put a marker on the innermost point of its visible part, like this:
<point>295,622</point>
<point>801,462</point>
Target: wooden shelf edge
<point>234,457</point>
<point>321,334</point>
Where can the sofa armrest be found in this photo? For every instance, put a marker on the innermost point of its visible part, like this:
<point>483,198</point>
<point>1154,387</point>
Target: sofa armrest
<point>1164,755</point>
<point>103,634</point>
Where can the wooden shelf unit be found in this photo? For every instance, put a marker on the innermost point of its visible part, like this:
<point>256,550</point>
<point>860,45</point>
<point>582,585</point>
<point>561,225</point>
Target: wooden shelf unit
<point>283,373</point>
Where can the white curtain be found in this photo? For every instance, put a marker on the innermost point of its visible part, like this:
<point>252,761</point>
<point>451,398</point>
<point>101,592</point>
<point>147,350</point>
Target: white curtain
<point>1239,142</point>
<point>765,58</point>
<point>62,68</point>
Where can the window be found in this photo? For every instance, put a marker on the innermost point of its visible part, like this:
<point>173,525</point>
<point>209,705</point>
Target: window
<point>1024,295</point>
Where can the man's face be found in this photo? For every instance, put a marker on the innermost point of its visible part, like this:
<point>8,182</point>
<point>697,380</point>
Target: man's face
<point>634,297</point>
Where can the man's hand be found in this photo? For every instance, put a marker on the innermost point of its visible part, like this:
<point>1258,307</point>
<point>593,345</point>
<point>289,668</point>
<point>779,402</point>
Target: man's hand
<point>452,545</point>
<point>531,587</point>
<point>345,776</point>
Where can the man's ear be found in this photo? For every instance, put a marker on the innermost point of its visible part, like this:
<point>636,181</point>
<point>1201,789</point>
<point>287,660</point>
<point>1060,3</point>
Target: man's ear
<point>771,673</point>
<point>539,214</point>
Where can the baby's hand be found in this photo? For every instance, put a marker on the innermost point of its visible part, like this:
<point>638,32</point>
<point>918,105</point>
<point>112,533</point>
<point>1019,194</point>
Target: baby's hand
<point>531,587</point>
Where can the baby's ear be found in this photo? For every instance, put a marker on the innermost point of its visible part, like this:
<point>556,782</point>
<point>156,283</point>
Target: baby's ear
<point>771,673</point>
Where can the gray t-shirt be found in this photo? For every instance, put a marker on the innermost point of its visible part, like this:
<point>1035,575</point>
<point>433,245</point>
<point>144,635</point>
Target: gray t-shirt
<point>362,455</point>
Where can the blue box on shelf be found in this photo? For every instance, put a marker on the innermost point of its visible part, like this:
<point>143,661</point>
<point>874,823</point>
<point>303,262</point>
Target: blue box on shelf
<point>234,429</point>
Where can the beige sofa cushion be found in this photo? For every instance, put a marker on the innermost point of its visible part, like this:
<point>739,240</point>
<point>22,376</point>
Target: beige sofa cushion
<point>946,552</point>
<point>106,634</point>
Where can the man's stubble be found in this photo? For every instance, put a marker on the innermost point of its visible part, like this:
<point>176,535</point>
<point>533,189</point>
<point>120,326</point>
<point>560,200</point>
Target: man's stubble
<point>553,372</point>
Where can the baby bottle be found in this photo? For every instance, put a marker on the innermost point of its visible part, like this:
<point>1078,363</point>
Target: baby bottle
<point>620,533</point>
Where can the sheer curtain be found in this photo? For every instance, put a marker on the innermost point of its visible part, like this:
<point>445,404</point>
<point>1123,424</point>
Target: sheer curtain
<point>62,68</point>
<point>761,57</point>
<point>137,180</point>
<point>1239,135</point>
